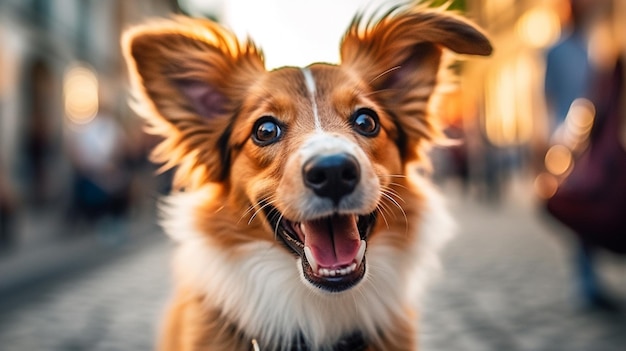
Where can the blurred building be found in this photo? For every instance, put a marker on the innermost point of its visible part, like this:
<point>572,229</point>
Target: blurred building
<point>60,67</point>
<point>504,115</point>
<point>503,108</point>
<point>42,42</point>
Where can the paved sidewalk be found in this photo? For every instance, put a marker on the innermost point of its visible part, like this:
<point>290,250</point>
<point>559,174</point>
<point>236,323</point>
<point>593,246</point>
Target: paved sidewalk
<point>115,306</point>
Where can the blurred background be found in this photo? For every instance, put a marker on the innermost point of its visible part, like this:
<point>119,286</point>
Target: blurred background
<point>83,265</point>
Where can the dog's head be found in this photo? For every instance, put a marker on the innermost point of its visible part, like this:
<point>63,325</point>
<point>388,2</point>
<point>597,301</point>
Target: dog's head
<point>313,157</point>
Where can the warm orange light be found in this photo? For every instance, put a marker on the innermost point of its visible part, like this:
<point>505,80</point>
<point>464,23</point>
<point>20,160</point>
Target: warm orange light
<point>578,123</point>
<point>447,105</point>
<point>558,160</point>
<point>545,185</point>
<point>80,94</point>
<point>539,27</point>
<point>494,8</point>
<point>508,100</point>
<point>581,114</point>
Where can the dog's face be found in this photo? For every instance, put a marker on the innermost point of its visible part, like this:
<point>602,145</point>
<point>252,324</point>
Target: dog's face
<point>318,154</point>
<point>310,157</point>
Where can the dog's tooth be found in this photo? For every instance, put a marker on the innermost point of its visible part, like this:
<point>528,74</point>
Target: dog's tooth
<point>311,259</point>
<point>361,253</point>
<point>352,267</point>
<point>333,273</point>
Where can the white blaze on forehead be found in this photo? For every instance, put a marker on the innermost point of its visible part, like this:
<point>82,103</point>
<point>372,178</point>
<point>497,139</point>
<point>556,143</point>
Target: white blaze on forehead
<point>310,85</point>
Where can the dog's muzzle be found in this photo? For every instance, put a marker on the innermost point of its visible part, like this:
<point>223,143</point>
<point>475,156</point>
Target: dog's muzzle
<point>331,246</point>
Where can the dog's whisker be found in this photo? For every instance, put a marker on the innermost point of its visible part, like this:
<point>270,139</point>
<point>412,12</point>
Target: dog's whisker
<point>253,207</point>
<point>398,199</point>
<point>389,211</point>
<point>395,184</point>
<point>384,207</point>
<point>390,191</point>
<point>406,220</point>
<point>250,209</point>
<point>381,210</point>
<point>280,218</point>
<point>380,91</point>
<point>267,203</point>
<point>384,73</point>
<point>393,201</point>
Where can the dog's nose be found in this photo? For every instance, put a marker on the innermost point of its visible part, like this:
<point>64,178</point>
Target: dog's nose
<point>333,176</point>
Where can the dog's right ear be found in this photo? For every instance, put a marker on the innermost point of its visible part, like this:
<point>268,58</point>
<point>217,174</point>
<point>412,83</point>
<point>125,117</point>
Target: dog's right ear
<point>188,77</point>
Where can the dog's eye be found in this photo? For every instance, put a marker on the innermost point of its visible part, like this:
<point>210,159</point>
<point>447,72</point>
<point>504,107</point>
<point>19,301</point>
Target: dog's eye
<point>266,131</point>
<point>365,122</point>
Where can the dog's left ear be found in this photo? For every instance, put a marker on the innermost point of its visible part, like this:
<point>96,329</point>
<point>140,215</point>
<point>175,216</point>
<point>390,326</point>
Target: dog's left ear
<point>399,54</point>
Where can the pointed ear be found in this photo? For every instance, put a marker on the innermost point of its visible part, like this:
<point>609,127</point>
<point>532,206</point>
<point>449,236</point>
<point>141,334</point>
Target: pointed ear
<point>399,56</point>
<point>188,78</point>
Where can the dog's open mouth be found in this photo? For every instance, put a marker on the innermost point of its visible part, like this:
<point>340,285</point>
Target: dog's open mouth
<point>332,248</point>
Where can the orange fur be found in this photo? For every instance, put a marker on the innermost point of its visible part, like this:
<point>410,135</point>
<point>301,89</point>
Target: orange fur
<point>207,94</point>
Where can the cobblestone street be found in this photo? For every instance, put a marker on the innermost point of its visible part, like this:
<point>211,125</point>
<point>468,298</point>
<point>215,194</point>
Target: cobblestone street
<point>112,306</point>
<point>506,286</point>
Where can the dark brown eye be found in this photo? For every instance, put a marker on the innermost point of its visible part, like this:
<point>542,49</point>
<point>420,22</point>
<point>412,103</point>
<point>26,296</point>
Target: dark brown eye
<point>365,122</point>
<point>266,131</point>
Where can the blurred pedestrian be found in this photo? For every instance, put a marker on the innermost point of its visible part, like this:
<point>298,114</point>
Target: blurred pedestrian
<point>568,69</point>
<point>591,200</point>
<point>7,211</point>
<point>101,184</point>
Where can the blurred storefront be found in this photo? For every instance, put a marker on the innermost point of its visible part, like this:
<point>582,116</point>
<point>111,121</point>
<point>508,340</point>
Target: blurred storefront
<point>505,117</point>
<point>503,113</point>
<point>60,66</point>
<point>42,40</point>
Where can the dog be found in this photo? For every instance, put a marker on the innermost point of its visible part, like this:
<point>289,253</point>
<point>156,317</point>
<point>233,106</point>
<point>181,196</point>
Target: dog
<point>300,220</point>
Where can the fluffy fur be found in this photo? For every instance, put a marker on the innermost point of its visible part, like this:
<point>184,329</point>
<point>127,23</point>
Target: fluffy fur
<point>242,139</point>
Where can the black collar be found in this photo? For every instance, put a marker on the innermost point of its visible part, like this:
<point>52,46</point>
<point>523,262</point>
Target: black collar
<point>349,342</point>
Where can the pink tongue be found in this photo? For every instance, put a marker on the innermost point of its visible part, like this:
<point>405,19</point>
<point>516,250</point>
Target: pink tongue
<point>334,242</point>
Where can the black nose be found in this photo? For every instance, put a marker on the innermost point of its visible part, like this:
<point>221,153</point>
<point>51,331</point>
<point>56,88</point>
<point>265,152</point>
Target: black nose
<point>333,176</point>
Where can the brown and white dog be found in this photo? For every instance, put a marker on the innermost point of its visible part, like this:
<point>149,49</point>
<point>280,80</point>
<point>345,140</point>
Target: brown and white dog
<point>301,223</point>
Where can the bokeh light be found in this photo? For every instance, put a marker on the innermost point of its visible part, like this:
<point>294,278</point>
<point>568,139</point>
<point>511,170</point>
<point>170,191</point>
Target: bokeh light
<point>545,185</point>
<point>558,160</point>
<point>539,27</point>
<point>80,94</point>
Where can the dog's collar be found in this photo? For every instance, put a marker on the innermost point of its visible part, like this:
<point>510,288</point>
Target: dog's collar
<point>349,342</point>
